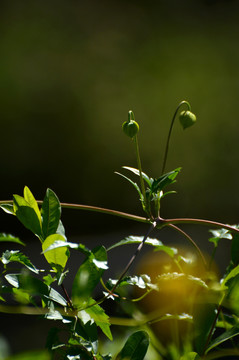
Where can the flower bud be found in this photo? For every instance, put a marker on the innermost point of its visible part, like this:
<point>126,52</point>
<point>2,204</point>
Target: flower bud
<point>130,127</point>
<point>187,118</point>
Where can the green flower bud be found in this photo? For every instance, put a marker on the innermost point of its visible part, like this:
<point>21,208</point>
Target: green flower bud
<point>187,118</point>
<point>130,127</point>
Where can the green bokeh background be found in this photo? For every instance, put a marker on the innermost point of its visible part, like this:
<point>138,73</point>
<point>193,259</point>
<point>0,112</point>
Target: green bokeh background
<point>71,70</point>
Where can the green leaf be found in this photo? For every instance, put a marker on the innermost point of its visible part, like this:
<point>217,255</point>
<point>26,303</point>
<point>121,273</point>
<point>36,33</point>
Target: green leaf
<point>51,213</point>
<point>234,272</point>
<point>164,180</point>
<point>21,296</point>
<point>59,243</point>
<point>136,172</point>
<point>235,249</point>
<point>8,208</point>
<point>28,196</point>
<point>135,185</point>
<point>157,244</point>
<point>88,275</point>
<point>178,317</point>
<point>175,276</point>
<point>27,215</point>
<point>142,281</point>
<point>229,334</point>
<point>190,356</point>
<point>135,347</point>
<point>58,255</point>
<point>13,279</point>
<point>15,255</point>
<point>101,319</point>
<point>10,238</point>
<point>204,316</point>
<point>35,287</point>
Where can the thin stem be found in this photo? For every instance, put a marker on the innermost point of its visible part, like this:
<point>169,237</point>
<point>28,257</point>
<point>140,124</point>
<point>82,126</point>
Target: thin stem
<point>170,131</point>
<point>191,241</point>
<point>67,296</point>
<point>140,168</point>
<point>163,222</point>
<point>139,248</point>
<point>93,208</point>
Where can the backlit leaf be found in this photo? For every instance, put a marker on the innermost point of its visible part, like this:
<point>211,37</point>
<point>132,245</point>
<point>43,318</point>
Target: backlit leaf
<point>136,172</point>
<point>101,319</point>
<point>27,215</point>
<point>15,255</point>
<point>10,238</point>
<point>58,255</point>
<point>28,196</point>
<point>8,208</point>
<point>159,246</point>
<point>51,213</point>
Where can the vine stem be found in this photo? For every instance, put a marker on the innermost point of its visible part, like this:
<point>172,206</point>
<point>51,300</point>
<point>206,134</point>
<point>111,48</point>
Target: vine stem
<point>191,241</point>
<point>140,167</point>
<point>166,222</point>
<point>139,248</point>
<point>160,221</point>
<point>170,131</point>
<point>92,208</point>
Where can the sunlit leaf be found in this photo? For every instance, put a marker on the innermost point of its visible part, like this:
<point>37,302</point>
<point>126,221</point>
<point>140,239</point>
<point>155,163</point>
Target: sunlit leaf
<point>135,347</point>
<point>142,281</point>
<point>51,213</point>
<point>59,243</point>
<point>101,319</point>
<point>35,287</point>
<point>136,172</point>
<point>56,255</point>
<point>175,276</point>
<point>10,238</point>
<point>8,208</point>
<point>21,296</point>
<point>27,215</point>
<point>15,255</point>
<point>13,279</point>
<point>157,244</point>
<point>28,196</point>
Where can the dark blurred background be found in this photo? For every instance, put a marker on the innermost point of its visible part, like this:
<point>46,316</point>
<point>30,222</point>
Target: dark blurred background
<point>69,73</point>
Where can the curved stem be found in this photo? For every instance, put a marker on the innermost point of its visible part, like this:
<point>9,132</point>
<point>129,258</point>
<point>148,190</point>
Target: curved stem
<point>93,208</point>
<point>139,166</point>
<point>170,131</point>
<point>167,222</point>
<point>191,241</point>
